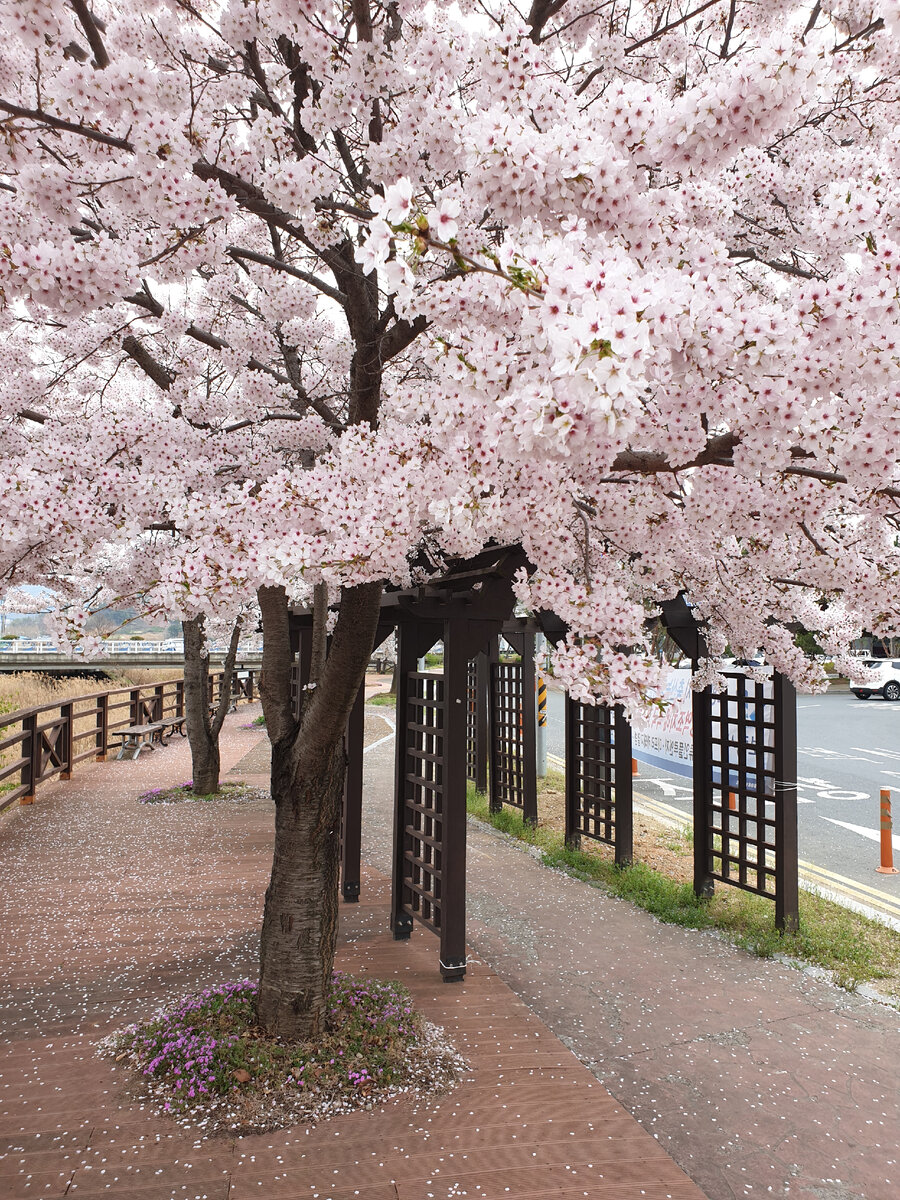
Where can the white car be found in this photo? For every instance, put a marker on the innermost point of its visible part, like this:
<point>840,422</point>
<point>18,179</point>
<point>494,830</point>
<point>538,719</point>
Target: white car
<point>885,683</point>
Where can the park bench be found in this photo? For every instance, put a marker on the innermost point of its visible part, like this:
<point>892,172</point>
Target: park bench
<point>141,737</point>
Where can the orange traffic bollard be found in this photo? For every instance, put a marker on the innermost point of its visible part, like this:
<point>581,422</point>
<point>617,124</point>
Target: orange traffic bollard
<point>732,801</point>
<point>634,769</point>
<point>887,846</point>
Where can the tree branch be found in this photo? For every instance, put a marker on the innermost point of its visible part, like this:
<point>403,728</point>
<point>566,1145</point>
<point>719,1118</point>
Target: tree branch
<point>785,268</point>
<point>227,676</point>
<point>319,632</point>
<point>267,260</point>
<point>540,14</point>
<point>91,26</point>
<point>277,664</point>
<point>45,118</point>
<point>657,33</point>
<point>136,350</point>
<point>401,335</point>
<point>144,300</point>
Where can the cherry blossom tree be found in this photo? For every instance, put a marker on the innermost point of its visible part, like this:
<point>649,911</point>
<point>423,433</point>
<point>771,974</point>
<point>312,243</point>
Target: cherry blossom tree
<point>297,294</point>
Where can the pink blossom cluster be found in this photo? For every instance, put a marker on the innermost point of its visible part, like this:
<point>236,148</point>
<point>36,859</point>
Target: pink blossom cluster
<point>286,299</point>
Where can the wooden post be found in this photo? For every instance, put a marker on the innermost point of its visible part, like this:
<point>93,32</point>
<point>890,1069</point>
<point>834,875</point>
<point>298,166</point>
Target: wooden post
<point>482,735</point>
<point>102,734</point>
<point>31,767</point>
<point>135,707</point>
<point>529,733</point>
<point>351,824</point>
<point>572,832</point>
<point>703,880</point>
<point>495,799</point>
<point>66,740</point>
<point>453,833</point>
<point>787,884</point>
<point>179,698</point>
<point>623,775</point>
<point>401,919</point>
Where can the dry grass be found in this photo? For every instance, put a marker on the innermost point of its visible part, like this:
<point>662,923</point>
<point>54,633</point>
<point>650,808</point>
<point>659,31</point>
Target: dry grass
<point>31,689</point>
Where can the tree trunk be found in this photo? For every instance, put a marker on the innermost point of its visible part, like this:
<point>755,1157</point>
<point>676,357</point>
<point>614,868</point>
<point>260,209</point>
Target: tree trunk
<point>299,933</point>
<point>202,728</point>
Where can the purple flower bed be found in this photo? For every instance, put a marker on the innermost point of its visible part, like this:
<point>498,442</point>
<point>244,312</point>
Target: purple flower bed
<point>206,1062</point>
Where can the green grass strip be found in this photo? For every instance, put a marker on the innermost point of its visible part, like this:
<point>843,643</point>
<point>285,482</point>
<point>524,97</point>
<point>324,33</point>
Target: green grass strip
<point>854,948</point>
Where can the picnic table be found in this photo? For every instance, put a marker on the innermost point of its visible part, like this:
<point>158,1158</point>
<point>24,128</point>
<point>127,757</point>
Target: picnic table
<point>141,737</point>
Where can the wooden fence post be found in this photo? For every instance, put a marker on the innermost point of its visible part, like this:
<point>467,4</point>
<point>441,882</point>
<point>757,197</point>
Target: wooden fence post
<point>66,740</point>
<point>102,735</point>
<point>31,753</point>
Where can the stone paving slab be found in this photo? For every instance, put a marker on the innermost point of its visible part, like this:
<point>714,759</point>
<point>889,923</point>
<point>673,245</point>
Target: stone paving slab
<point>110,908</point>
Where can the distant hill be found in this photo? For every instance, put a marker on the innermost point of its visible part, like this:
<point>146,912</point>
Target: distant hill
<point>123,623</point>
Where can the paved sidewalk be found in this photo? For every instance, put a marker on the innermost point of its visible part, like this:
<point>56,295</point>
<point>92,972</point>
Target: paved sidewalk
<point>110,908</point>
<point>759,1079</point>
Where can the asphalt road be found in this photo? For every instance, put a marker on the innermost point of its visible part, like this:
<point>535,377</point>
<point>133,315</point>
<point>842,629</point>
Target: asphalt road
<point>848,750</point>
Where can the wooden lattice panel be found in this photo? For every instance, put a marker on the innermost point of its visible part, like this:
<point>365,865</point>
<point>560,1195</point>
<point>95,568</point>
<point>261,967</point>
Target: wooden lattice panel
<point>423,799</point>
<point>598,777</point>
<point>741,843</point>
<point>590,768</point>
<point>507,751</point>
<point>472,720</point>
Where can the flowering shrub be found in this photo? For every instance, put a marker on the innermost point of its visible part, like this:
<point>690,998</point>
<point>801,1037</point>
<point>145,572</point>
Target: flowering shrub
<point>206,1062</point>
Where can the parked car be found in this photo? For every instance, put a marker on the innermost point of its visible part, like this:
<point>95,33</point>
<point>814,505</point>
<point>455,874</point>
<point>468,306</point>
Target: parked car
<point>884,679</point>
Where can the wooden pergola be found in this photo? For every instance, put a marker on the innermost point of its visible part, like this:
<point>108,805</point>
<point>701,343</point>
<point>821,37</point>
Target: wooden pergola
<point>444,739</point>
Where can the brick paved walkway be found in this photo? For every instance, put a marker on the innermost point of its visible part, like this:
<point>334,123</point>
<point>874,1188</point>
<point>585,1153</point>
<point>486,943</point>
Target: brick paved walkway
<point>109,908</point>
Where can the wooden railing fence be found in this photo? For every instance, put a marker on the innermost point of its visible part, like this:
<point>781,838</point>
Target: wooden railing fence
<point>43,743</point>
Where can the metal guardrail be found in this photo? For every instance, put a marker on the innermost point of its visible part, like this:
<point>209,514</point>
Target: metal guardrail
<point>130,646</point>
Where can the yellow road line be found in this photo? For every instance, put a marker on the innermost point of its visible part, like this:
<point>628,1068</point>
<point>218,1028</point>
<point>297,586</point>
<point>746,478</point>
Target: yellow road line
<point>850,887</point>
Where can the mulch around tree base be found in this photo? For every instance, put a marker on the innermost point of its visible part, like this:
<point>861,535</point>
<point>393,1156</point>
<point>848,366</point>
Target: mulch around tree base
<point>111,909</point>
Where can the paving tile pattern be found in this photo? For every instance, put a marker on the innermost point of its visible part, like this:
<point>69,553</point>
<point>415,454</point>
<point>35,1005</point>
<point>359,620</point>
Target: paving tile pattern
<point>110,908</point>
<point>759,1079</point>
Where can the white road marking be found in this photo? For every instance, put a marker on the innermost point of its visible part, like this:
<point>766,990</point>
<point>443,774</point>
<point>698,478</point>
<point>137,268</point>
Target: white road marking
<point>380,742</point>
<point>664,786</point>
<point>874,835</point>
<point>828,791</point>
<point>824,752</point>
